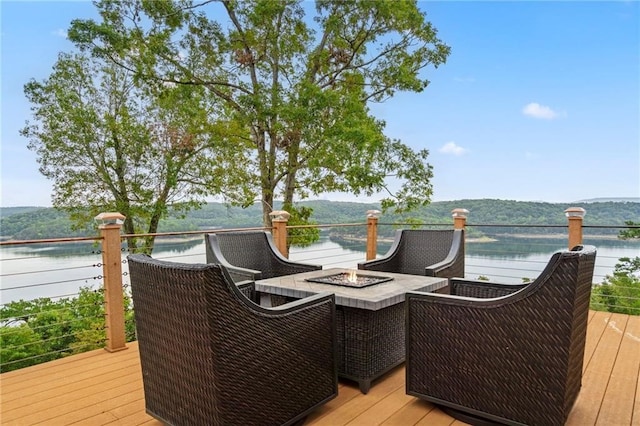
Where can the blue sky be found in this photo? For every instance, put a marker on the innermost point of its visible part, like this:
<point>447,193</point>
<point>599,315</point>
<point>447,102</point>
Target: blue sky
<point>539,101</point>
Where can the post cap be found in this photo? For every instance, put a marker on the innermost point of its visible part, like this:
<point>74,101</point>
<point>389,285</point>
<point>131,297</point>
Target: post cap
<point>279,215</point>
<point>575,212</point>
<point>110,218</point>
<point>463,213</point>
<point>373,213</point>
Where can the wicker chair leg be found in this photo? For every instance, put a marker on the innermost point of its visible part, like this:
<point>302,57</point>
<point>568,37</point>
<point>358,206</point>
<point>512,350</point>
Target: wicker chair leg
<point>467,418</point>
<point>364,385</point>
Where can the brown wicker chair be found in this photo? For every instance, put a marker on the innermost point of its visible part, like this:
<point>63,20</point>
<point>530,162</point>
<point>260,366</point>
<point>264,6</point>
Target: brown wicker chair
<point>251,255</point>
<point>434,253</point>
<point>210,356</point>
<point>514,359</point>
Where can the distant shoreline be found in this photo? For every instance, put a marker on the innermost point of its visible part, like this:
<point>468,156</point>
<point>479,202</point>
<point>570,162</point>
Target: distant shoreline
<point>493,240</point>
<point>561,236</point>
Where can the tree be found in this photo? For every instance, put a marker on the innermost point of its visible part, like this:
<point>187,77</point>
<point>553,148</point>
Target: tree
<point>297,89</point>
<point>111,143</point>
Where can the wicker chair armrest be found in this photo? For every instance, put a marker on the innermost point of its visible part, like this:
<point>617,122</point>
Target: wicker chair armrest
<point>452,265</point>
<point>380,264</point>
<point>482,289</point>
<point>244,284</point>
<point>239,274</point>
<point>431,270</point>
<point>448,262</point>
<point>455,300</point>
<point>387,262</point>
<point>286,264</point>
<point>306,302</point>
<point>447,268</point>
<point>295,267</point>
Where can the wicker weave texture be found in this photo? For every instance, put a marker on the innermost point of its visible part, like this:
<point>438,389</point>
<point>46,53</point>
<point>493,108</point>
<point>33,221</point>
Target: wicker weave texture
<point>438,253</point>
<point>482,289</point>
<point>210,356</point>
<point>250,255</point>
<point>370,343</point>
<point>516,359</point>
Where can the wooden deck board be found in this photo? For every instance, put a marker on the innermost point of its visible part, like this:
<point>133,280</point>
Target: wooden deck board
<point>596,377</point>
<point>383,409</point>
<point>360,403</point>
<point>101,388</point>
<point>410,413</point>
<point>617,405</point>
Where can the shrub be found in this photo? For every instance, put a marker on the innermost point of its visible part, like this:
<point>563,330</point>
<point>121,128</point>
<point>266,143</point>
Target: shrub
<point>620,292</point>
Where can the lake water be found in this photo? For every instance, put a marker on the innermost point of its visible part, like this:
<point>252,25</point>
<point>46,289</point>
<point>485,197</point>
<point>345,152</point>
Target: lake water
<point>28,272</point>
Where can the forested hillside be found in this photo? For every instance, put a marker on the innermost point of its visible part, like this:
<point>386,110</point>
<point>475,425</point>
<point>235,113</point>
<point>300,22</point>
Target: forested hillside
<point>30,223</point>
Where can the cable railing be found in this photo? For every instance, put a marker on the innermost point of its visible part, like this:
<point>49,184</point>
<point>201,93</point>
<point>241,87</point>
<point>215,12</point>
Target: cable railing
<point>53,302</point>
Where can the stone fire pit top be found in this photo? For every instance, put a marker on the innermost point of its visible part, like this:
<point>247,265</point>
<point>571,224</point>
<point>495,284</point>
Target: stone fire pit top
<point>373,297</point>
<point>347,279</point>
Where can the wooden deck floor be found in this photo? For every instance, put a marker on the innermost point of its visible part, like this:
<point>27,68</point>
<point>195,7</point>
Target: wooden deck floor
<point>98,387</point>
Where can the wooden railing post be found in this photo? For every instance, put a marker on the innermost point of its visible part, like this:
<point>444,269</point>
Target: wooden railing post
<point>575,216</point>
<point>279,219</point>
<point>372,233</point>
<point>109,225</point>
<point>459,218</point>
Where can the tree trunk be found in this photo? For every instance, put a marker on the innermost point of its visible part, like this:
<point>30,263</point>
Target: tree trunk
<point>128,228</point>
<point>267,203</point>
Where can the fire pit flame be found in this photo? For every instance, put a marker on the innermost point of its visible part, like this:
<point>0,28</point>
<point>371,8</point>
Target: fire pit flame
<point>350,279</point>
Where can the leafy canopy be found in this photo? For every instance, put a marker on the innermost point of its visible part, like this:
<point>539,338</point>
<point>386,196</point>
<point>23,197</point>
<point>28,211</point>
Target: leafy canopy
<point>292,81</point>
<point>112,143</point>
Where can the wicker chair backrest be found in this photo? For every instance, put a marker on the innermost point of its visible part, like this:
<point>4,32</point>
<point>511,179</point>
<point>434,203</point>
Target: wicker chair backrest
<point>250,249</point>
<point>420,248</point>
<point>175,330</point>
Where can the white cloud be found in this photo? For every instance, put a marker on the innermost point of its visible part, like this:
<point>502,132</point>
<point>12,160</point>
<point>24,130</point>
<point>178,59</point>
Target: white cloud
<point>452,148</point>
<point>60,33</point>
<point>536,110</point>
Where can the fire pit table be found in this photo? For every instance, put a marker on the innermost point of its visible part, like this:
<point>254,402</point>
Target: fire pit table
<point>369,311</point>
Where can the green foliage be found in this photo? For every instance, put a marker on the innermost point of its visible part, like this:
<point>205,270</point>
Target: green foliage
<point>40,330</point>
<point>172,224</point>
<point>31,225</point>
<point>289,84</point>
<point>412,223</point>
<point>8,211</point>
<point>41,224</point>
<point>620,292</point>
<point>630,233</point>
<point>111,142</point>
<point>301,237</point>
